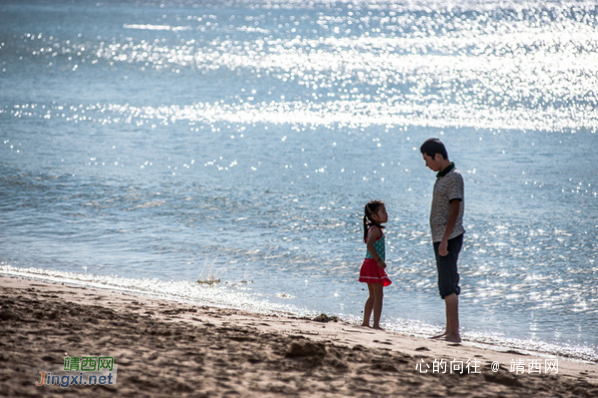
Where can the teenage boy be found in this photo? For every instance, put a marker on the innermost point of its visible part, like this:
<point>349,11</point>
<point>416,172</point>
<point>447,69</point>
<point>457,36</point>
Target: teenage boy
<point>446,222</point>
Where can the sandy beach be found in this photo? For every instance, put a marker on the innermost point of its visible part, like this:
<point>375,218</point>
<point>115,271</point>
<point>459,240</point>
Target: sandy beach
<point>164,348</point>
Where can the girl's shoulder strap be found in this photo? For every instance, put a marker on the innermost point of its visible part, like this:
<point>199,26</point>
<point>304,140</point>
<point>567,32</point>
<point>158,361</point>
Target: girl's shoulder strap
<point>370,231</point>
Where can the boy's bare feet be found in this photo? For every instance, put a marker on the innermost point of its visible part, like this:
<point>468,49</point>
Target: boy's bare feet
<point>377,328</point>
<point>438,336</point>
<point>365,325</point>
<point>452,338</point>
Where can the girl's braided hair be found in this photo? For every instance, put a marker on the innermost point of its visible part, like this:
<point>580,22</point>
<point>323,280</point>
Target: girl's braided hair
<point>371,208</point>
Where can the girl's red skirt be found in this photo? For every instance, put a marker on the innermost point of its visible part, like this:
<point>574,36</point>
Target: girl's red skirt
<point>371,273</point>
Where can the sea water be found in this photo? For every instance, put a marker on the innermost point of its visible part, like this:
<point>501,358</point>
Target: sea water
<point>222,152</point>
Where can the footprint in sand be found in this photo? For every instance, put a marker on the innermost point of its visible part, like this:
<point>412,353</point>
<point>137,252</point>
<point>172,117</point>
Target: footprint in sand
<point>382,342</point>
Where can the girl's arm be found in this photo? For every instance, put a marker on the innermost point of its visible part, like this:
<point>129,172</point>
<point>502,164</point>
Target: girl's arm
<point>375,234</point>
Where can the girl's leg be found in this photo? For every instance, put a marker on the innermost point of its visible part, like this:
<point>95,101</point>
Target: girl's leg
<point>369,305</point>
<point>378,298</point>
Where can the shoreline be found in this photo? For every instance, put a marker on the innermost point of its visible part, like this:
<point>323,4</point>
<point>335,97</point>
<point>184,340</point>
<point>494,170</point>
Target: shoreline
<point>183,294</point>
<point>163,348</point>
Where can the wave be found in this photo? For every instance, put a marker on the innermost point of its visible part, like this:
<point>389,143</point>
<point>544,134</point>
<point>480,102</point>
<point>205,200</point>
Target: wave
<point>156,27</point>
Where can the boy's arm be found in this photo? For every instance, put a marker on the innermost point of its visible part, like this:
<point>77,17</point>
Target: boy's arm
<point>375,234</point>
<point>453,216</point>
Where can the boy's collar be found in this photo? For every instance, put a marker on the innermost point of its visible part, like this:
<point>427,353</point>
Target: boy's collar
<point>446,170</point>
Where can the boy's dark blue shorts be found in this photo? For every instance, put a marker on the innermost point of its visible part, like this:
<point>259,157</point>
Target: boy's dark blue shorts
<point>448,277</point>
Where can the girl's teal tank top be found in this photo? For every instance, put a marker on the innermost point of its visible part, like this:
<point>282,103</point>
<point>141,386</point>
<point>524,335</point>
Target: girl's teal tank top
<point>379,245</point>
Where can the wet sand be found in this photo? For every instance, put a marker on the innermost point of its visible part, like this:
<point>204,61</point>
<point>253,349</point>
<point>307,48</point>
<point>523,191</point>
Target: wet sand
<point>168,349</point>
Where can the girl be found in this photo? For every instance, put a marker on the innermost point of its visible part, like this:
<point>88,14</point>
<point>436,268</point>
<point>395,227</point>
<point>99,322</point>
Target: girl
<point>372,270</point>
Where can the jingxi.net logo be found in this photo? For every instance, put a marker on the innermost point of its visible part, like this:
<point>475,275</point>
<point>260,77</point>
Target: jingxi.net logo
<point>82,371</point>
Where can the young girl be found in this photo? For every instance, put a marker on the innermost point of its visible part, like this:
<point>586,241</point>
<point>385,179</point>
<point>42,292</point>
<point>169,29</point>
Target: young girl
<point>372,270</point>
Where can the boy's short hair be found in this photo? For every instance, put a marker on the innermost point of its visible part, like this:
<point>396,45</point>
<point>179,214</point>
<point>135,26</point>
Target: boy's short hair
<point>432,146</point>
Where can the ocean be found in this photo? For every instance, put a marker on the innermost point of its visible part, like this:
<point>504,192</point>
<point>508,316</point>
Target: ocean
<point>221,152</point>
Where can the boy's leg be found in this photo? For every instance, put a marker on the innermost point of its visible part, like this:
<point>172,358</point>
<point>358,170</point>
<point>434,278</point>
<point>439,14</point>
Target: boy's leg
<point>378,298</point>
<point>369,305</point>
<point>441,279</point>
<point>446,329</point>
<point>452,318</point>
<point>448,285</point>
<point>451,331</point>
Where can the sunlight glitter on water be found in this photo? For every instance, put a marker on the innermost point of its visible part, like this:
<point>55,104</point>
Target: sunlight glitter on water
<point>139,135</point>
<point>331,114</point>
<point>525,74</point>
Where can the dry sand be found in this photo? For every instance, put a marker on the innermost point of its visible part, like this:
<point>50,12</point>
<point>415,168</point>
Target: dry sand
<point>170,349</point>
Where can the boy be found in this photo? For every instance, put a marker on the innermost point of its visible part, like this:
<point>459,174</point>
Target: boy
<point>446,222</point>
